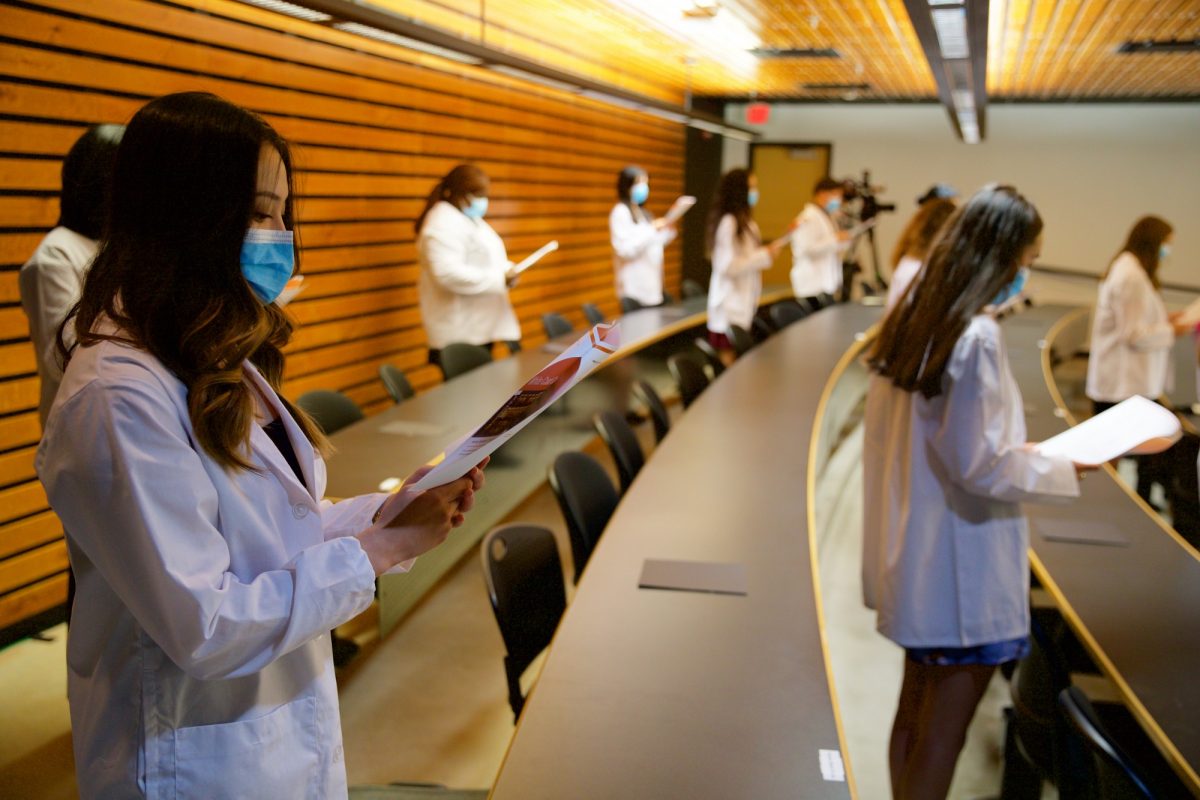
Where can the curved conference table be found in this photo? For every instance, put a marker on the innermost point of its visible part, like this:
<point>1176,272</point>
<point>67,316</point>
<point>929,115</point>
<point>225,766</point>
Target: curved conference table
<point>1127,583</point>
<point>674,694</point>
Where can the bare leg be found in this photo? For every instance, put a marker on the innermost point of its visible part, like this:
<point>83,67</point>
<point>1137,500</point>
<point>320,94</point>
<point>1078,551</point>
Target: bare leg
<point>949,700</point>
<point>904,727</point>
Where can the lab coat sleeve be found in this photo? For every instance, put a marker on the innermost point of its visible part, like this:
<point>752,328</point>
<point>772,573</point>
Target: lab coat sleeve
<point>135,497</point>
<point>810,240</point>
<point>1127,303</point>
<point>974,442</point>
<point>351,516</point>
<point>446,255</point>
<point>58,286</point>
<point>728,259</point>
<point>629,239</point>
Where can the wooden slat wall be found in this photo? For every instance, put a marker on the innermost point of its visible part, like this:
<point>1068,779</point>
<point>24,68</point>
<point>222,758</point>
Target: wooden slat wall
<point>374,126</point>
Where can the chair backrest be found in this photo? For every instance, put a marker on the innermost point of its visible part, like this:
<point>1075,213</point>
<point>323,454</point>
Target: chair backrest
<point>741,340</point>
<point>826,299</point>
<point>331,410</point>
<point>629,304</point>
<point>646,395</point>
<point>786,312</point>
<point>810,304</point>
<point>760,329</point>
<point>556,325</point>
<point>711,356</point>
<point>689,375</point>
<point>525,583</point>
<point>395,382</point>
<point>460,357</point>
<point>692,289</point>
<point>593,313</point>
<point>587,499</point>
<point>1116,775</point>
<point>622,443</point>
<point>1035,720</point>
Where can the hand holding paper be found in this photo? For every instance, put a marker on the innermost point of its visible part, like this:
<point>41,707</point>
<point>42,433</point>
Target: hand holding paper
<point>1190,316</point>
<point>1135,426</point>
<point>680,207</point>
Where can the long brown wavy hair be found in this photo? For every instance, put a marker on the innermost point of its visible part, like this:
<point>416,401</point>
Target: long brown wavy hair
<point>1143,243</point>
<point>168,274</point>
<point>455,185</point>
<point>921,231</point>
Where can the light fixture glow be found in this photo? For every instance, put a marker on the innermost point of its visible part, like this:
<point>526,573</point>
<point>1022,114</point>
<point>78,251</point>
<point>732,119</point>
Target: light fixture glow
<point>291,9</point>
<point>950,25</point>
<point>404,41</point>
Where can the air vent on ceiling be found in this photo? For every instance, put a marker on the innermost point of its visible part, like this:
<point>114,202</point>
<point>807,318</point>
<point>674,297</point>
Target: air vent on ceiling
<point>837,87</point>
<point>795,52</point>
<point>1161,46</point>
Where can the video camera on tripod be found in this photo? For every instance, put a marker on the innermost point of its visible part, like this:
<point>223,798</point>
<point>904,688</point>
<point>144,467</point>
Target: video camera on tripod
<point>860,213</point>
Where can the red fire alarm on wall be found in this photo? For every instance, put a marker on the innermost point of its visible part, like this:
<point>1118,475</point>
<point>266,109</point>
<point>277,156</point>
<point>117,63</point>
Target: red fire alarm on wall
<point>757,113</point>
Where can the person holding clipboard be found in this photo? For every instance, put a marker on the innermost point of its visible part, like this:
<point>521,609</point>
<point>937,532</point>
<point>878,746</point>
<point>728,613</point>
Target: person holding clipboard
<point>465,273</point>
<point>638,239</point>
<point>817,245</point>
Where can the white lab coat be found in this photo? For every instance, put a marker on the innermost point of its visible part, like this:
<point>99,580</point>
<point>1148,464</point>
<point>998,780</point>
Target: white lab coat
<point>945,560</point>
<point>816,254</point>
<point>1131,337</point>
<point>50,283</point>
<point>638,255</point>
<point>902,276</point>
<point>199,661</point>
<point>736,282</point>
<point>461,285</point>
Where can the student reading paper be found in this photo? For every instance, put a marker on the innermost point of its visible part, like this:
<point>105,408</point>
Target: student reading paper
<point>638,240</point>
<point>210,567</point>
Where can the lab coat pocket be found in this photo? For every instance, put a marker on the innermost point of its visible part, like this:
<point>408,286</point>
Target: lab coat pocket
<point>274,755</point>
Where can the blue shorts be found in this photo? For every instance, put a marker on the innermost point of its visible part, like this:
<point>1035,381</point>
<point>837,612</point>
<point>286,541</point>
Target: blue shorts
<point>991,655</point>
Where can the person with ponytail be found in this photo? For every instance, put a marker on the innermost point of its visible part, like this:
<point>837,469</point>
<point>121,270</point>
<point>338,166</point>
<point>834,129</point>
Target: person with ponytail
<point>638,240</point>
<point>465,272</point>
<point>945,469</point>
<point>738,257</point>
<point>210,567</point>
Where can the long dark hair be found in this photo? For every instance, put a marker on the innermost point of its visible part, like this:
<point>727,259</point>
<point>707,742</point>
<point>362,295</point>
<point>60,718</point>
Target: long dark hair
<point>922,229</point>
<point>625,181</point>
<point>732,198</point>
<point>1144,242</point>
<point>974,259</point>
<point>168,273</point>
<point>463,180</point>
<point>87,173</point>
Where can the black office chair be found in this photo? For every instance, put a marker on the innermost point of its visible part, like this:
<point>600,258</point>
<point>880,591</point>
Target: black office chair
<point>760,329</point>
<point>396,383</point>
<point>587,499</point>
<point>811,305</point>
<point>629,304</point>
<point>692,289</point>
<point>786,312</point>
<point>1115,774</point>
<point>826,299</point>
<point>741,340</point>
<point>622,443</point>
<point>460,357</point>
<point>525,583</point>
<point>668,298</point>
<point>711,357</point>
<point>689,375</point>
<point>593,313</point>
<point>556,325</point>
<point>645,394</point>
<point>331,410</point>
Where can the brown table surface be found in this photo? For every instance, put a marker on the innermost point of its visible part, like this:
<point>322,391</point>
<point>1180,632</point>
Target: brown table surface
<point>670,694</point>
<point>1136,606</point>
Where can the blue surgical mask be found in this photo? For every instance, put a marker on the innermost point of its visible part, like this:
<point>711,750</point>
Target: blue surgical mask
<point>1013,288</point>
<point>833,204</point>
<point>752,198</point>
<point>268,261</point>
<point>476,208</point>
<point>1164,250</point>
<point>639,193</point>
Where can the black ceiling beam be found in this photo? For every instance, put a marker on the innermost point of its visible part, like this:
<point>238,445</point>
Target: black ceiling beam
<point>920,14</point>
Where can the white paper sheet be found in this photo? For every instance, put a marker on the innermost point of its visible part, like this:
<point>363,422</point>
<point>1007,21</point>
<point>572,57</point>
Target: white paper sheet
<point>1134,426</point>
<point>680,207</point>
<point>534,257</point>
<point>538,393</point>
<point>1191,314</point>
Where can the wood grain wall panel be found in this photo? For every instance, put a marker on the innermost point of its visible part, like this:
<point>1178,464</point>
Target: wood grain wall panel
<point>373,127</point>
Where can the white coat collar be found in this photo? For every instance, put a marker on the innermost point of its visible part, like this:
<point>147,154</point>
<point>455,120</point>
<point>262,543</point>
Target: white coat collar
<point>261,443</point>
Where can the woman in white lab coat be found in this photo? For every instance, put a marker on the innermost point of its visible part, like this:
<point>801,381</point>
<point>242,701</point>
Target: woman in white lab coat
<point>738,257</point>
<point>1132,333</point>
<point>465,272</point>
<point>914,244</point>
<point>946,466</point>
<point>638,240</point>
<point>210,568</point>
<point>52,278</point>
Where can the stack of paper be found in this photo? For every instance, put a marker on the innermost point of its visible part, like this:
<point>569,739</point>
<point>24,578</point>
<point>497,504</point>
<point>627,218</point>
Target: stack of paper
<point>1135,426</point>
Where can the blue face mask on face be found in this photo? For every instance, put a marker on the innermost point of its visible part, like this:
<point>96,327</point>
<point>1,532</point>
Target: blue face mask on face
<point>268,261</point>
<point>833,204</point>
<point>639,193</point>
<point>1164,250</point>
<point>1013,288</point>
<point>476,208</point>
<point>752,198</point>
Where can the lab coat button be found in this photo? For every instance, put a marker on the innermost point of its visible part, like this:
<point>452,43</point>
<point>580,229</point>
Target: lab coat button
<point>299,511</point>
<point>337,754</point>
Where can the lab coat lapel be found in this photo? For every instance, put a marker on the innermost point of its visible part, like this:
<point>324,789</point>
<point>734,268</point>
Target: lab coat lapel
<point>262,445</point>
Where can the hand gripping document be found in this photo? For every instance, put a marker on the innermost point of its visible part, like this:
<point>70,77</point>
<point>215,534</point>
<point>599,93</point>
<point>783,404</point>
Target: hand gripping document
<point>680,207</point>
<point>574,364</point>
<point>1136,426</point>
